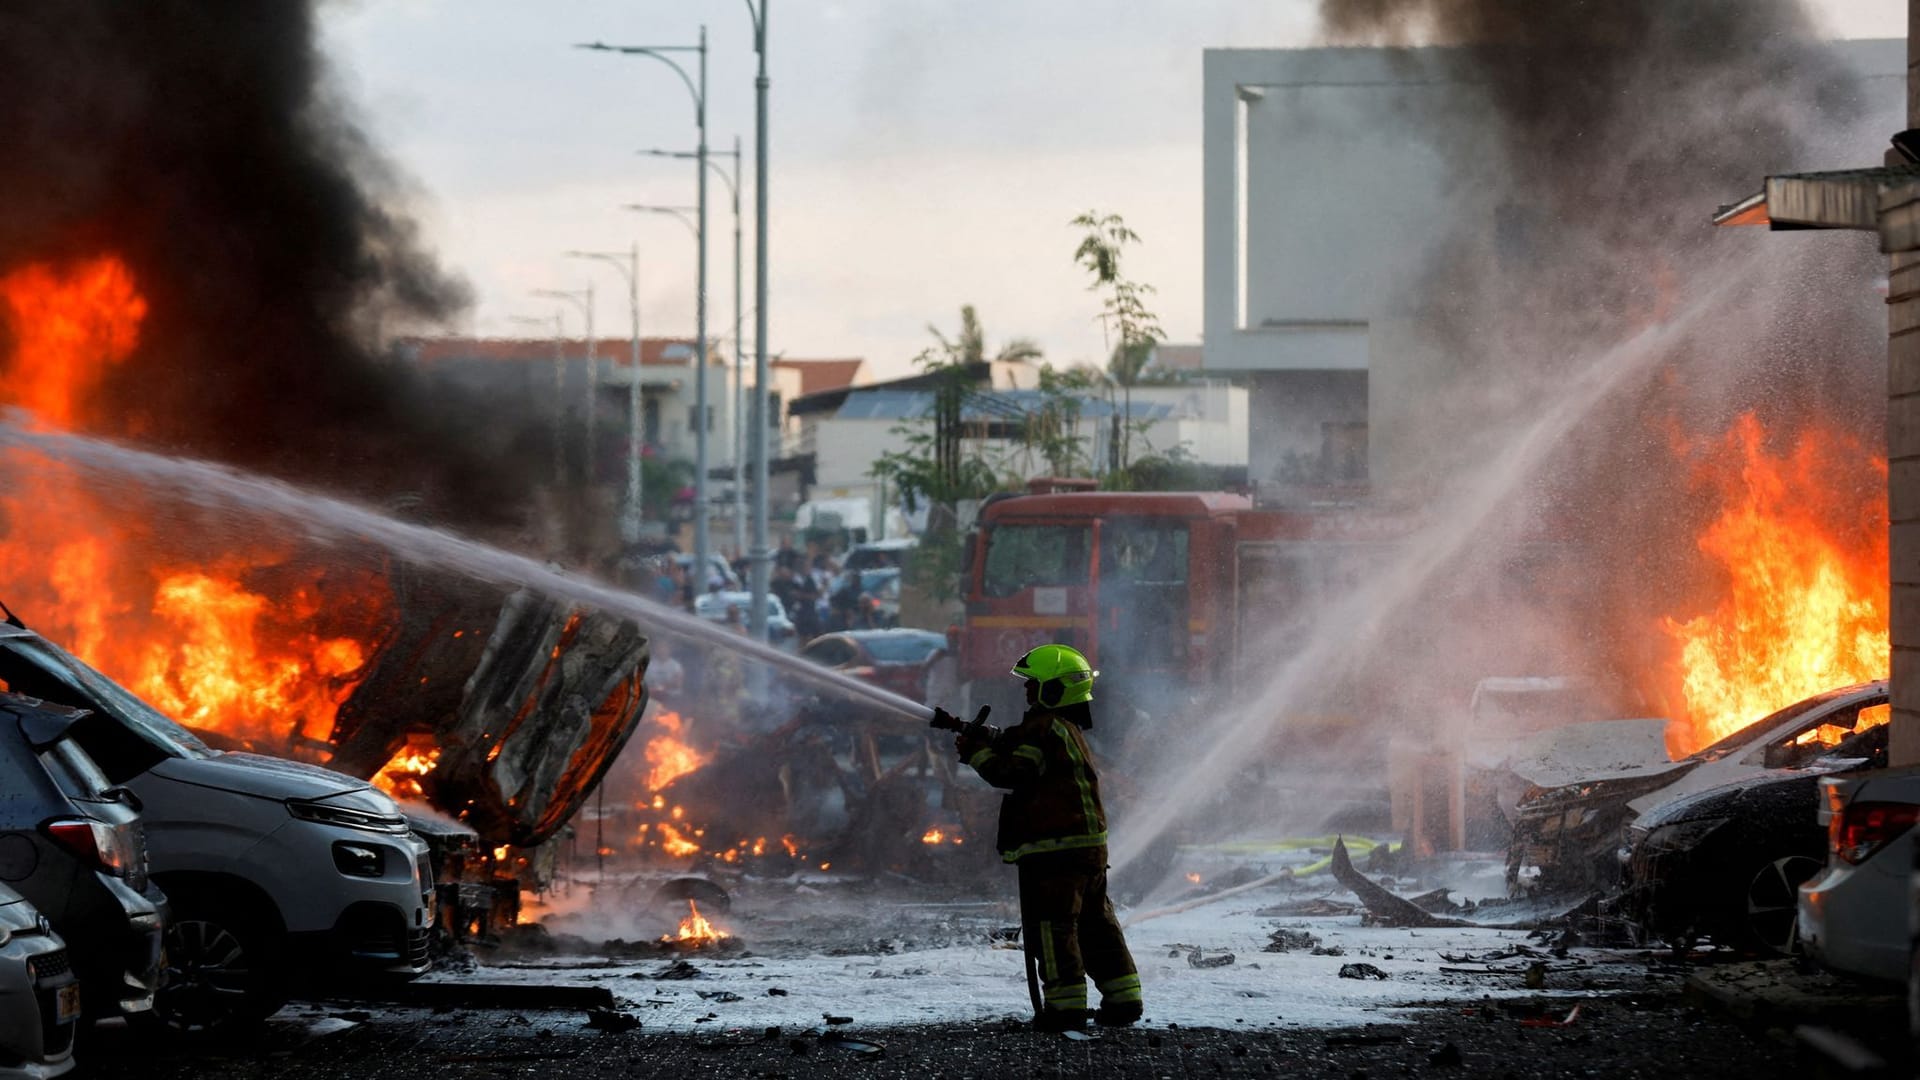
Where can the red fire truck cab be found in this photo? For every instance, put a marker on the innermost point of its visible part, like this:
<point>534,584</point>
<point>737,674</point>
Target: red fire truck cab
<point>1159,589</point>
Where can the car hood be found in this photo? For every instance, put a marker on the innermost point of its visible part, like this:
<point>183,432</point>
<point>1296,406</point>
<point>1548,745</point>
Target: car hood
<point>269,778</point>
<point>1593,751</point>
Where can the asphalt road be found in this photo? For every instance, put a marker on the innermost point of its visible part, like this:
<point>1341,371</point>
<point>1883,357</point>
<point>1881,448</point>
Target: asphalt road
<point>1653,1036</point>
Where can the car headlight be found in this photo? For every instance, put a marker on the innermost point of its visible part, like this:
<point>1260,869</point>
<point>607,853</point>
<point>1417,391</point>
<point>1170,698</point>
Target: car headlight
<point>359,860</point>
<point>1683,835</point>
<point>346,817</point>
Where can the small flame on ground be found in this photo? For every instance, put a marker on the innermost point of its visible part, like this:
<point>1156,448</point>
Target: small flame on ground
<point>1195,878</point>
<point>695,929</point>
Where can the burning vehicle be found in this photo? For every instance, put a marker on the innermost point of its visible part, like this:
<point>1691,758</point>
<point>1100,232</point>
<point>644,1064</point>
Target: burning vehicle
<point>240,843</point>
<point>1724,863</point>
<point>1569,828</point>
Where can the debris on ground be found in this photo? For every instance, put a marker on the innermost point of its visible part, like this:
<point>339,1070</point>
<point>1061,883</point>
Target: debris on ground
<point>1198,958</point>
<point>721,996</point>
<point>832,1019</point>
<point>679,969</point>
<point>611,1020</point>
<point>1362,971</point>
<point>1286,940</point>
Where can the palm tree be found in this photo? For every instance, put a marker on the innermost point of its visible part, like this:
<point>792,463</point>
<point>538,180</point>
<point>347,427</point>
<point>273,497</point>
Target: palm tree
<point>970,347</point>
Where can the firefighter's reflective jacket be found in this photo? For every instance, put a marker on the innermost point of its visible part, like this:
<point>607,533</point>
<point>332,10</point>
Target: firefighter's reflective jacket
<point>1053,796</point>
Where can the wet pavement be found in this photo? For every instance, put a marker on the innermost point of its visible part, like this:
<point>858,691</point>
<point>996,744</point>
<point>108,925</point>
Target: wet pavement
<point>1656,1035</point>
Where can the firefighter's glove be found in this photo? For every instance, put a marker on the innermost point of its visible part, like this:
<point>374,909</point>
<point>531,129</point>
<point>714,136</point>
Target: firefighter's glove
<point>968,743</point>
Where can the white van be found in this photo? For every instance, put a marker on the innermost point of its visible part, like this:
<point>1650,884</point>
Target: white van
<point>279,874</point>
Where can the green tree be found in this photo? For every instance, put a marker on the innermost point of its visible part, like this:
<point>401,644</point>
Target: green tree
<point>970,345</point>
<point>1131,328</point>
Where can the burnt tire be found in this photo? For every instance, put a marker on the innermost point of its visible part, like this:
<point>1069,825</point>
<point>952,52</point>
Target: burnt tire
<point>1765,917</point>
<point>223,968</point>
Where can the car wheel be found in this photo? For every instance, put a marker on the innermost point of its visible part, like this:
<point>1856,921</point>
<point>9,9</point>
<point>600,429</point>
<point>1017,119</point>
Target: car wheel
<point>1772,902</point>
<point>221,971</point>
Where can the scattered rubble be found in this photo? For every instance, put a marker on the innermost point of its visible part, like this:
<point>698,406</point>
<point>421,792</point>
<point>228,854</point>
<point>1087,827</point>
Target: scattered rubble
<point>1362,971</point>
<point>1285,940</point>
<point>1198,958</point>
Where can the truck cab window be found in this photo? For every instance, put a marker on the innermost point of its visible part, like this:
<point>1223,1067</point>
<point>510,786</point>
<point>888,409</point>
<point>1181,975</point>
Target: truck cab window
<point>1024,556</point>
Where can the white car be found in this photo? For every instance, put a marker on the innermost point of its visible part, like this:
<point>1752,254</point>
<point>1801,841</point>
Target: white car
<point>1856,915</point>
<point>713,606</point>
<point>277,872</point>
<point>39,995</point>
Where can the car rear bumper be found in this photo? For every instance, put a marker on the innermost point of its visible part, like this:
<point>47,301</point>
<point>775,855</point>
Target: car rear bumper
<point>1853,918</point>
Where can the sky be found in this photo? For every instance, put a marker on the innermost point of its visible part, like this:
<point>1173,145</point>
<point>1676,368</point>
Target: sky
<point>924,154</point>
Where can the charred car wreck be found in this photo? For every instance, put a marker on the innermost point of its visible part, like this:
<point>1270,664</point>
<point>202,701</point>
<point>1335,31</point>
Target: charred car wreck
<point>1570,832</point>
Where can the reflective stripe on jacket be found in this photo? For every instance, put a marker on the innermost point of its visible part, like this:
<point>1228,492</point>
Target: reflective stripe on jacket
<point>1053,795</point>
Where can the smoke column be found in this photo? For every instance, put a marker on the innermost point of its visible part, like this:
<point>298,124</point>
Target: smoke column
<point>202,142</point>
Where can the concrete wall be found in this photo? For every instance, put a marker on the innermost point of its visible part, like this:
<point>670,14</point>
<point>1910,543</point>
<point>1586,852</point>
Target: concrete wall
<point>1900,234</point>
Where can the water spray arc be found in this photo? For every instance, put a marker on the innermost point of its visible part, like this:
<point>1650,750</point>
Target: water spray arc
<point>325,519</point>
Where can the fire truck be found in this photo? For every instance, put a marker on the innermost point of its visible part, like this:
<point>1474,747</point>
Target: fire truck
<point>1174,596</point>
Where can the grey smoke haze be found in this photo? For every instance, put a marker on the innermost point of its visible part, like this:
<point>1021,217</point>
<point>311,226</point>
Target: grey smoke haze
<point>1577,321</point>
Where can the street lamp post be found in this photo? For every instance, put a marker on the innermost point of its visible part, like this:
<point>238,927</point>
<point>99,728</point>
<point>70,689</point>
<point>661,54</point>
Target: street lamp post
<point>628,263</point>
<point>761,557</point>
<point>582,299</point>
<point>740,426</point>
<point>702,543</point>
<point>559,387</point>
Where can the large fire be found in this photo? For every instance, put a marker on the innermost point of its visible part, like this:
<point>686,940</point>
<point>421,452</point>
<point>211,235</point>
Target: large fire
<point>226,632</point>
<point>1805,564</point>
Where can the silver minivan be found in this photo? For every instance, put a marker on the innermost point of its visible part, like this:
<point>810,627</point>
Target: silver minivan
<point>279,874</point>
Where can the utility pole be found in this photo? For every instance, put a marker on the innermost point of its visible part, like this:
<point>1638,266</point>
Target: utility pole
<point>702,542</point>
<point>628,263</point>
<point>761,556</point>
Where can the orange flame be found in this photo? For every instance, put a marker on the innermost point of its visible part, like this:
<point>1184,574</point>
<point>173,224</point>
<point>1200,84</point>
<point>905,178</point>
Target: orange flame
<point>668,754</point>
<point>400,776</point>
<point>695,929</point>
<point>674,843</point>
<point>1805,609</point>
<point>231,641</point>
<point>934,836</point>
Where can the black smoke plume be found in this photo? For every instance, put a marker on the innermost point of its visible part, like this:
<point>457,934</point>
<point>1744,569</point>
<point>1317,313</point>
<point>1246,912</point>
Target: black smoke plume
<point>203,142</point>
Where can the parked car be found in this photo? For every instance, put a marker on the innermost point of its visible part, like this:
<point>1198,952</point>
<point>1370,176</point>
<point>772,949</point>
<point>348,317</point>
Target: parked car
<point>70,842</point>
<point>1568,831</point>
<point>39,994</point>
<point>1854,914</point>
<point>880,555</point>
<point>713,606</point>
<point>278,873</point>
<point>895,659</point>
<point>1726,863</point>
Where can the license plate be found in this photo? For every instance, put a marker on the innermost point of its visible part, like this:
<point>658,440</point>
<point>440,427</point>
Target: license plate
<point>67,1003</point>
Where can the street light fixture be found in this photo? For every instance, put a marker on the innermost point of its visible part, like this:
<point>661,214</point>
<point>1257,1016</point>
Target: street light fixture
<point>702,543</point>
<point>582,299</point>
<point>740,427</point>
<point>628,263</point>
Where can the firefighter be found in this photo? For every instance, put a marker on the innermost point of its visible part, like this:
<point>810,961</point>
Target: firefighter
<point>1054,830</point>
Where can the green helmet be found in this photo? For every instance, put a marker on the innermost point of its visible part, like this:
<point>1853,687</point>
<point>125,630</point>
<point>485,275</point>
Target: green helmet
<point>1064,675</point>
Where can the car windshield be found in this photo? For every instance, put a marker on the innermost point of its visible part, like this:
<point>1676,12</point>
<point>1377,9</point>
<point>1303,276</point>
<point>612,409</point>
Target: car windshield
<point>910,648</point>
<point>1744,738</point>
<point>1023,556</point>
<point>96,692</point>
